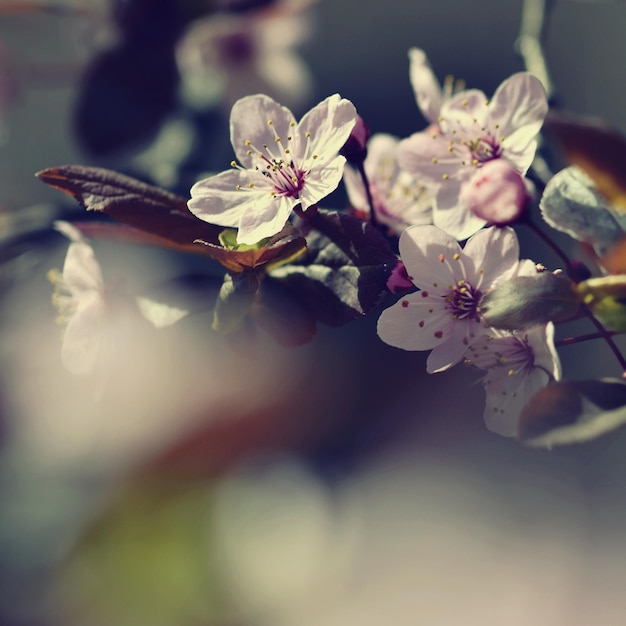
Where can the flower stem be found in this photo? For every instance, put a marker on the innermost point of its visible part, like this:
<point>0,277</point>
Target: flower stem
<point>568,341</point>
<point>603,333</point>
<point>368,194</point>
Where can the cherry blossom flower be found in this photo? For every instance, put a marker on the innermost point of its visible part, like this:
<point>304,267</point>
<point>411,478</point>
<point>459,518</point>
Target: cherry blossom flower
<point>518,364</point>
<point>79,298</point>
<point>284,165</point>
<point>400,200</point>
<point>474,131</point>
<point>444,316</point>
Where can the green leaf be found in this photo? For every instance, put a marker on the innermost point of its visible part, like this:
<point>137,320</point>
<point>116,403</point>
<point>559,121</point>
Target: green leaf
<point>525,301</point>
<point>344,271</point>
<point>573,412</point>
<point>606,297</point>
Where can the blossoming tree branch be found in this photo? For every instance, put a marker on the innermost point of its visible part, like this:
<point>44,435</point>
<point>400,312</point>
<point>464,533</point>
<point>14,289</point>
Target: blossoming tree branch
<point>432,219</point>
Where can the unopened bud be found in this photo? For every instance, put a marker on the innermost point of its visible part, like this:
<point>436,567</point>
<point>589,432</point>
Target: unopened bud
<point>399,281</point>
<point>497,193</point>
<point>355,148</point>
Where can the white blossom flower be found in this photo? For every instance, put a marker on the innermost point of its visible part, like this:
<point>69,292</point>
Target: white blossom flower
<point>518,364</point>
<point>444,316</point>
<point>473,131</point>
<point>284,164</point>
<point>79,298</point>
<point>399,199</point>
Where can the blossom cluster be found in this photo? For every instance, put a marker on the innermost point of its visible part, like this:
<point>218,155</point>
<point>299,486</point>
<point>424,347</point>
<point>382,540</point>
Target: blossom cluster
<point>447,195</point>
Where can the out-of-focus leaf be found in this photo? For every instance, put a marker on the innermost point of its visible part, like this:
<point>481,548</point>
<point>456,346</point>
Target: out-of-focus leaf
<point>282,315</point>
<point>598,150</point>
<point>126,94</point>
<point>572,204</point>
<point>606,297</point>
<point>343,274</point>
<point>235,299</point>
<point>614,261</point>
<point>573,412</point>
<point>524,301</point>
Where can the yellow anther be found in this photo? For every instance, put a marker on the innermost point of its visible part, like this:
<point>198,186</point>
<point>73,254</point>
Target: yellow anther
<point>308,135</point>
<point>248,142</point>
<point>435,160</point>
<point>456,256</point>
<point>445,177</point>
<point>474,161</point>
<point>233,163</point>
<point>315,156</point>
<point>292,124</point>
<point>277,139</point>
<point>465,102</point>
<point>249,152</point>
<point>251,185</point>
<point>269,122</point>
<point>238,187</point>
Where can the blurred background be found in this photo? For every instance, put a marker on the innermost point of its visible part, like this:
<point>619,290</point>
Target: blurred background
<point>334,483</point>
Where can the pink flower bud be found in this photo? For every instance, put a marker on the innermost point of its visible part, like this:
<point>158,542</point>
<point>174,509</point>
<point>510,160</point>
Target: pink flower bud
<point>497,193</point>
<point>399,281</point>
<point>355,149</point>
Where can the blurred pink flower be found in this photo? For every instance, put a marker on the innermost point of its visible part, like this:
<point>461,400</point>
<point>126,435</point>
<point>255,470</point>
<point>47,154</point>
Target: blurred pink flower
<point>227,56</point>
<point>400,199</point>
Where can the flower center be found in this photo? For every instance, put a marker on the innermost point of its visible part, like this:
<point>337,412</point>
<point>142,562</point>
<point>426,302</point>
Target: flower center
<point>462,301</point>
<point>278,165</point>
<point>484,149</point>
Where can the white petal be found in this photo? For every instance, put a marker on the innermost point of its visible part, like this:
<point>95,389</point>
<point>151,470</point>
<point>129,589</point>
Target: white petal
<point>218,201</point>
<point>249,119</point>
<point>451,215</point>
<point>426,155</point>
<point>425,85</point>
<point>421,250</point>
<point>412,322</point>
<point>507,396</point>
<point>81,270</point>
<point>330,124</point>
<point>541,340</point>
<point>466,113</point>
<point>82,341</point>
<point>355,189</point>
<point>452,348</point>
<point>495,253</point>
<point>267,218</point>
<point>519,106</point>
<point>321,181</point>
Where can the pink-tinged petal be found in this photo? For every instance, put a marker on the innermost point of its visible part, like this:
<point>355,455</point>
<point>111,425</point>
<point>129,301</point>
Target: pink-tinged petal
<point>322,181</point>
<point>466,112</point>
<point>218,201</point>
<point>381,161</point>
<point>355,189</point>
<point>495,254</point>
<point>518,153</point>
<point>541,340</point>
<point>451,349</point>
<point>414,323</point>
<point>267,219</point>
<point>507,395</point>
<point>427,155</point>
<point>519,107</point>
<point>425,85</point>
<point>83,336</point>
<point>330,124</point>
<point>427,252</point>
<point>451,215</point>
<point>249,119</point>
<point>81,270</point>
